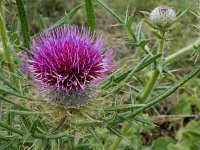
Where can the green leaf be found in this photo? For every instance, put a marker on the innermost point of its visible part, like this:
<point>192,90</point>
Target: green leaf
<point>139,33</point>
<point>34,125</point>
<point>114,131</point>
<point>156,100</point>
<point>10,128</point>
<point>123,107</point>
<point>12,102</point>
<point>161,143</point>
<point>19,112</point>
<point>13,93</point>
<point>41,23</point>
<point>110,11</point>
<point>145,121</point>
<point>8,83</point>
<point>53,144</point>
<point>96,137</point>
<point>24,23</point>
<point>66,17</point>
<point>91,22</point>
<point>157,34</point>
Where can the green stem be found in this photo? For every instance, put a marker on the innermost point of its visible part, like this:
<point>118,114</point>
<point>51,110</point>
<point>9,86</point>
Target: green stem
<point>155,75</point>
<point>182,52</point>
<point>150,85</point>
<point>8,57</point>
<point>161,97</point>
<point>118,139</point>
<point>24,23</point>
<point>145,94</point>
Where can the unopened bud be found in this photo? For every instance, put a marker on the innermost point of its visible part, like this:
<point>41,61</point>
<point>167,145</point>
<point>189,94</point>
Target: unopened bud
<point>163,16</point>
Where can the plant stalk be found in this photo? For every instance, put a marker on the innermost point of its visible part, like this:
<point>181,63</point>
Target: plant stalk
<point>24,23</point>
<point>155,75</point>
<point>145,94</point>
<point>184,51</point>
<point>7,54</point>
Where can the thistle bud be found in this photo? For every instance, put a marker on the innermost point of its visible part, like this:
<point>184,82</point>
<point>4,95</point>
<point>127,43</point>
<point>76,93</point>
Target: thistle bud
<point>163,16</point>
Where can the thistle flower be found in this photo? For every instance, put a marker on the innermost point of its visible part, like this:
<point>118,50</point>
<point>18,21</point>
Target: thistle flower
<point>67,63</point>
<point>163,16</point>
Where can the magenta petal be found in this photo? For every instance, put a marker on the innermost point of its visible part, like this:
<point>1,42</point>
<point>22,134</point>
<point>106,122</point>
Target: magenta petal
<point>68,59</point>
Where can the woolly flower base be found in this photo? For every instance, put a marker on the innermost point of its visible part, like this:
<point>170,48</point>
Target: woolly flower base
<point>163,16</point>
<point>69,100</point>
<point>66,62</point>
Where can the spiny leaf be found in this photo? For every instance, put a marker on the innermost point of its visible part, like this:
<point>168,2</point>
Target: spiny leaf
<point>157,34</point>
<point>19,112</point>
<point>154,101</point>
<point>96,137</point>
<point>110,11</point>
<point>145,121</point>
<point>114,131</point>
<point>8,83</point>
<point>34,125</point>
<point>13,93</point>
<point>10,128</point>
<point>123,107</point>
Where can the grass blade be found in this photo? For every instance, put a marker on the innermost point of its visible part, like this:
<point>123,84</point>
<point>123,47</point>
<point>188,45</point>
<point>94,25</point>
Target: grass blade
<point>91,22</point>
<point>24,23</point>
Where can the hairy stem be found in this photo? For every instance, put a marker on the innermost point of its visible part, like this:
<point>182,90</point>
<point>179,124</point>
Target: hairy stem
<point>155,75</point>
<point>8,57</point>
<point>24,23</point>
<point>150,85</point>
<point>182,52</point>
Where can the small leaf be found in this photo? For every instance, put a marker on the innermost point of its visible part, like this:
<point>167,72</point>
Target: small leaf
<point>157,34</point>
<point>110,11</point>
<point>123,107</point>
<point>41,23</point>
<point>150,24</point>
<point>143,43</point>
<point>114,131</point>
<point>96,137</point>
<point>145,121</point>
<point>145,13</point>
<point>34,125</point>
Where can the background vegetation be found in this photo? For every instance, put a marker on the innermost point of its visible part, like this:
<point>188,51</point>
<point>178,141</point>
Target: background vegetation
<point>175,123</point>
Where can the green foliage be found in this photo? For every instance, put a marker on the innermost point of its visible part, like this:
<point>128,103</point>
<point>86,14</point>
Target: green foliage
<point>24,23</point>
<point>90,15</point>
<point>188,137</point>
<point>123,112</point>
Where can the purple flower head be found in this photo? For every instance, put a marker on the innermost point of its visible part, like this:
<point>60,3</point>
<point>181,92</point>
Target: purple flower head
<point>68,59</point>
